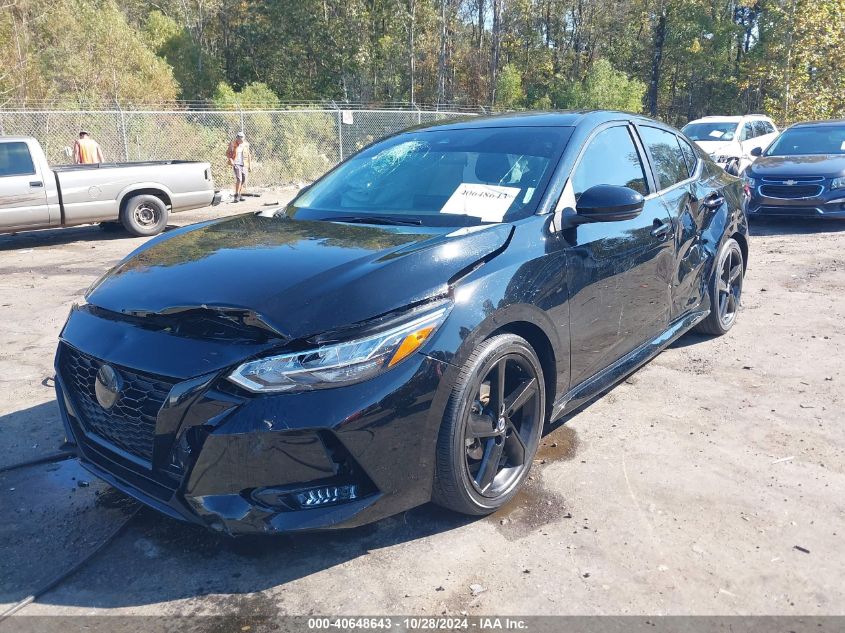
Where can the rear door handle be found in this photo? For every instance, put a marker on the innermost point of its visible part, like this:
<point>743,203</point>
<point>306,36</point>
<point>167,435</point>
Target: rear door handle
<point>661,229</point>
<point>713,200</point>
<point>36,183</point>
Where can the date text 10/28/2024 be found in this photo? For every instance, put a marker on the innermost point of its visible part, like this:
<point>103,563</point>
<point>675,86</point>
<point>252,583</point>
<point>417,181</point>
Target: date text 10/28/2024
<point>417,624</point>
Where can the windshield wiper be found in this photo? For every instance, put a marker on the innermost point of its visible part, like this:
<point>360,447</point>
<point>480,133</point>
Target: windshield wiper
<point>375,219</point>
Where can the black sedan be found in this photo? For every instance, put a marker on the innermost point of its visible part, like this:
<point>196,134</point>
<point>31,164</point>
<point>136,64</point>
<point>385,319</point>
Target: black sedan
<point>801,174</point>
<point>405,328</point>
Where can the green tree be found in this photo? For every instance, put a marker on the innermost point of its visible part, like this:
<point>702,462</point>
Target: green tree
<point>509,91</point>
<point>81,52</point>
<point>607,88</point>
<point>254,96</point>
<point>196,71</point>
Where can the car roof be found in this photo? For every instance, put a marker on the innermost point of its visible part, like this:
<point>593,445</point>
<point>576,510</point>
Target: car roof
<point>730,118</point>
<point>824,123</point>
<point>562,118</point>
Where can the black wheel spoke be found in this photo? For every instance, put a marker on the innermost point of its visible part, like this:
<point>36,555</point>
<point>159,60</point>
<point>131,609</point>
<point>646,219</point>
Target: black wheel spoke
<point>480,426</point>
<point>489,464</point>
<point>522,394</point>
<point>736,273</point>
<point>515,447</point>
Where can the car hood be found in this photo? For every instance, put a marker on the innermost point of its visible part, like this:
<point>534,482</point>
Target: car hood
<point>299,277</point>
<point>717,147</point>
<point>827,165</point>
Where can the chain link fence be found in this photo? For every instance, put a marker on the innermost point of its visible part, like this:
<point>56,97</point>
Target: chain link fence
<point>288,146</point>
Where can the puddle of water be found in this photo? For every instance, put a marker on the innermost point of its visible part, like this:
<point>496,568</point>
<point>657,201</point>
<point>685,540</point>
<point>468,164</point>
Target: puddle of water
<point>52,519</point>
<point>531,509</point>
<point>535,506</point>
<point>560,444</point>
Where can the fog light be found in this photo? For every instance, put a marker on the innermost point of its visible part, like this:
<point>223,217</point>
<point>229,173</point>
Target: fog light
<point>328,495</point>
<point>287,499</point>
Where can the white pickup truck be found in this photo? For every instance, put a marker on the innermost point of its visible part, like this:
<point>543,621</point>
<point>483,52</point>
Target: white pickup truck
<point>140,196</point>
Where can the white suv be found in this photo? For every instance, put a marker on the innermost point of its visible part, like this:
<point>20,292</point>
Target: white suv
<point>730,139</point>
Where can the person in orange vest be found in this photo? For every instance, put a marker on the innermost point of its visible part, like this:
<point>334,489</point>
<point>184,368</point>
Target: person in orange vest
<point>86,150</point>
<point>241,161</point>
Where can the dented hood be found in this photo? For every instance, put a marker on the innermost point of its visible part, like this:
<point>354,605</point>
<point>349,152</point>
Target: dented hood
<point>299,277</point>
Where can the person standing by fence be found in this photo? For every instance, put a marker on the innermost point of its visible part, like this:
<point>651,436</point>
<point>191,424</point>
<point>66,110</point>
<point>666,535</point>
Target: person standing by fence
<point>241,161</point>
<point>86,150</point>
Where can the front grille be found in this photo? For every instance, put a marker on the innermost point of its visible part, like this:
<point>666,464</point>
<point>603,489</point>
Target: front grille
<point>130,423</point>
<point>799,190</point>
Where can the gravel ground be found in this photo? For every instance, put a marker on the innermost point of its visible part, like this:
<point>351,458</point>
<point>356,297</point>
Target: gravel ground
<point>712,481</point>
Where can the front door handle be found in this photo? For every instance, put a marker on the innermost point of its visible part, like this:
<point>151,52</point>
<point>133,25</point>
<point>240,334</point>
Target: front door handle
<point>36,183</point>
<point>713,200</point>
<point>661,229</point>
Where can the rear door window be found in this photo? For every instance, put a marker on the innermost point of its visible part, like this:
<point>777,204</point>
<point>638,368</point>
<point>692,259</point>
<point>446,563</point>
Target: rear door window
<point>670,165</point>
<point>15,160</point>
<point>747,132</point>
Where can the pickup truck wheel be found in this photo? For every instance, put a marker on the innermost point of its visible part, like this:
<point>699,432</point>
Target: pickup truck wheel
<point>144,215</point>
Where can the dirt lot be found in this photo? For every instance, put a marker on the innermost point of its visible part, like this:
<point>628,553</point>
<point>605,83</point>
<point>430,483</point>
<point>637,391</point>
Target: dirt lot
<point>688,489</point>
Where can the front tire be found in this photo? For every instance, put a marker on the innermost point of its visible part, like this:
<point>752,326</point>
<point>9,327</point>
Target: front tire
<point>144,215</point>
<point>491,428</point>
<point>725,290</point>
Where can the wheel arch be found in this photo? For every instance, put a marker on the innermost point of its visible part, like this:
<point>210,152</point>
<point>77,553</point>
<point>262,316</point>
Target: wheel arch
<point>158,191</point>
<point>743,246</point>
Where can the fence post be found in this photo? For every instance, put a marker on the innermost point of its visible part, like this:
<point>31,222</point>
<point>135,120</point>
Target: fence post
<point>123,132</point>
<point>339,131</point>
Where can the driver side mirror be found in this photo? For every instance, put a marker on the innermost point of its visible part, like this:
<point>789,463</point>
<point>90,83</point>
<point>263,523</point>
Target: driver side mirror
<point>608,203</point>
<point>756,151</point>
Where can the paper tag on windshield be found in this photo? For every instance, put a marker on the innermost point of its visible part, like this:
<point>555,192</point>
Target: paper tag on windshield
<point>717,134</point>
<point>488,202</point>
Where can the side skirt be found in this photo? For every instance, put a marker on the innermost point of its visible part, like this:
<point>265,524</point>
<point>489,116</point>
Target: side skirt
<point>626,365</point>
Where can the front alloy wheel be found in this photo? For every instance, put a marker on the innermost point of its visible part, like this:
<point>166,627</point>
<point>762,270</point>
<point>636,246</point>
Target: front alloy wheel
<point>491,428</point>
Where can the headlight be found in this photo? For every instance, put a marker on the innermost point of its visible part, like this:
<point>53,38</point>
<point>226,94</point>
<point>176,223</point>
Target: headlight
<point>838,183</point>
<point>339,363</point>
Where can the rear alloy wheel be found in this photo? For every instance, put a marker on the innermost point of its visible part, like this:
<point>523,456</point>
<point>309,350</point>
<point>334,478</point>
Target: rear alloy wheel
<point>491,428</point>
<point>725,290</point>
<point>144,215</point>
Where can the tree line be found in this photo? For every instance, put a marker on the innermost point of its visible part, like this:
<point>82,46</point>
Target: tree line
<point>674,59</point>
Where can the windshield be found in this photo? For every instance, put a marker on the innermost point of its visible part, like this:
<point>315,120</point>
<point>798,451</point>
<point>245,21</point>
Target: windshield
<point>819,139</point>
<point>711,131</point>
<point>440,177</point>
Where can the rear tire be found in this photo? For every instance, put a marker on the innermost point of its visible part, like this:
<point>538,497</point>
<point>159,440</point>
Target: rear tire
<point>725,290</point>
<point>491,427</point>
<point>144,215</point>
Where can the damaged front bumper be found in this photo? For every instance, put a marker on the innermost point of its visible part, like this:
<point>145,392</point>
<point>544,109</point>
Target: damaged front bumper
<point>199,449</point>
